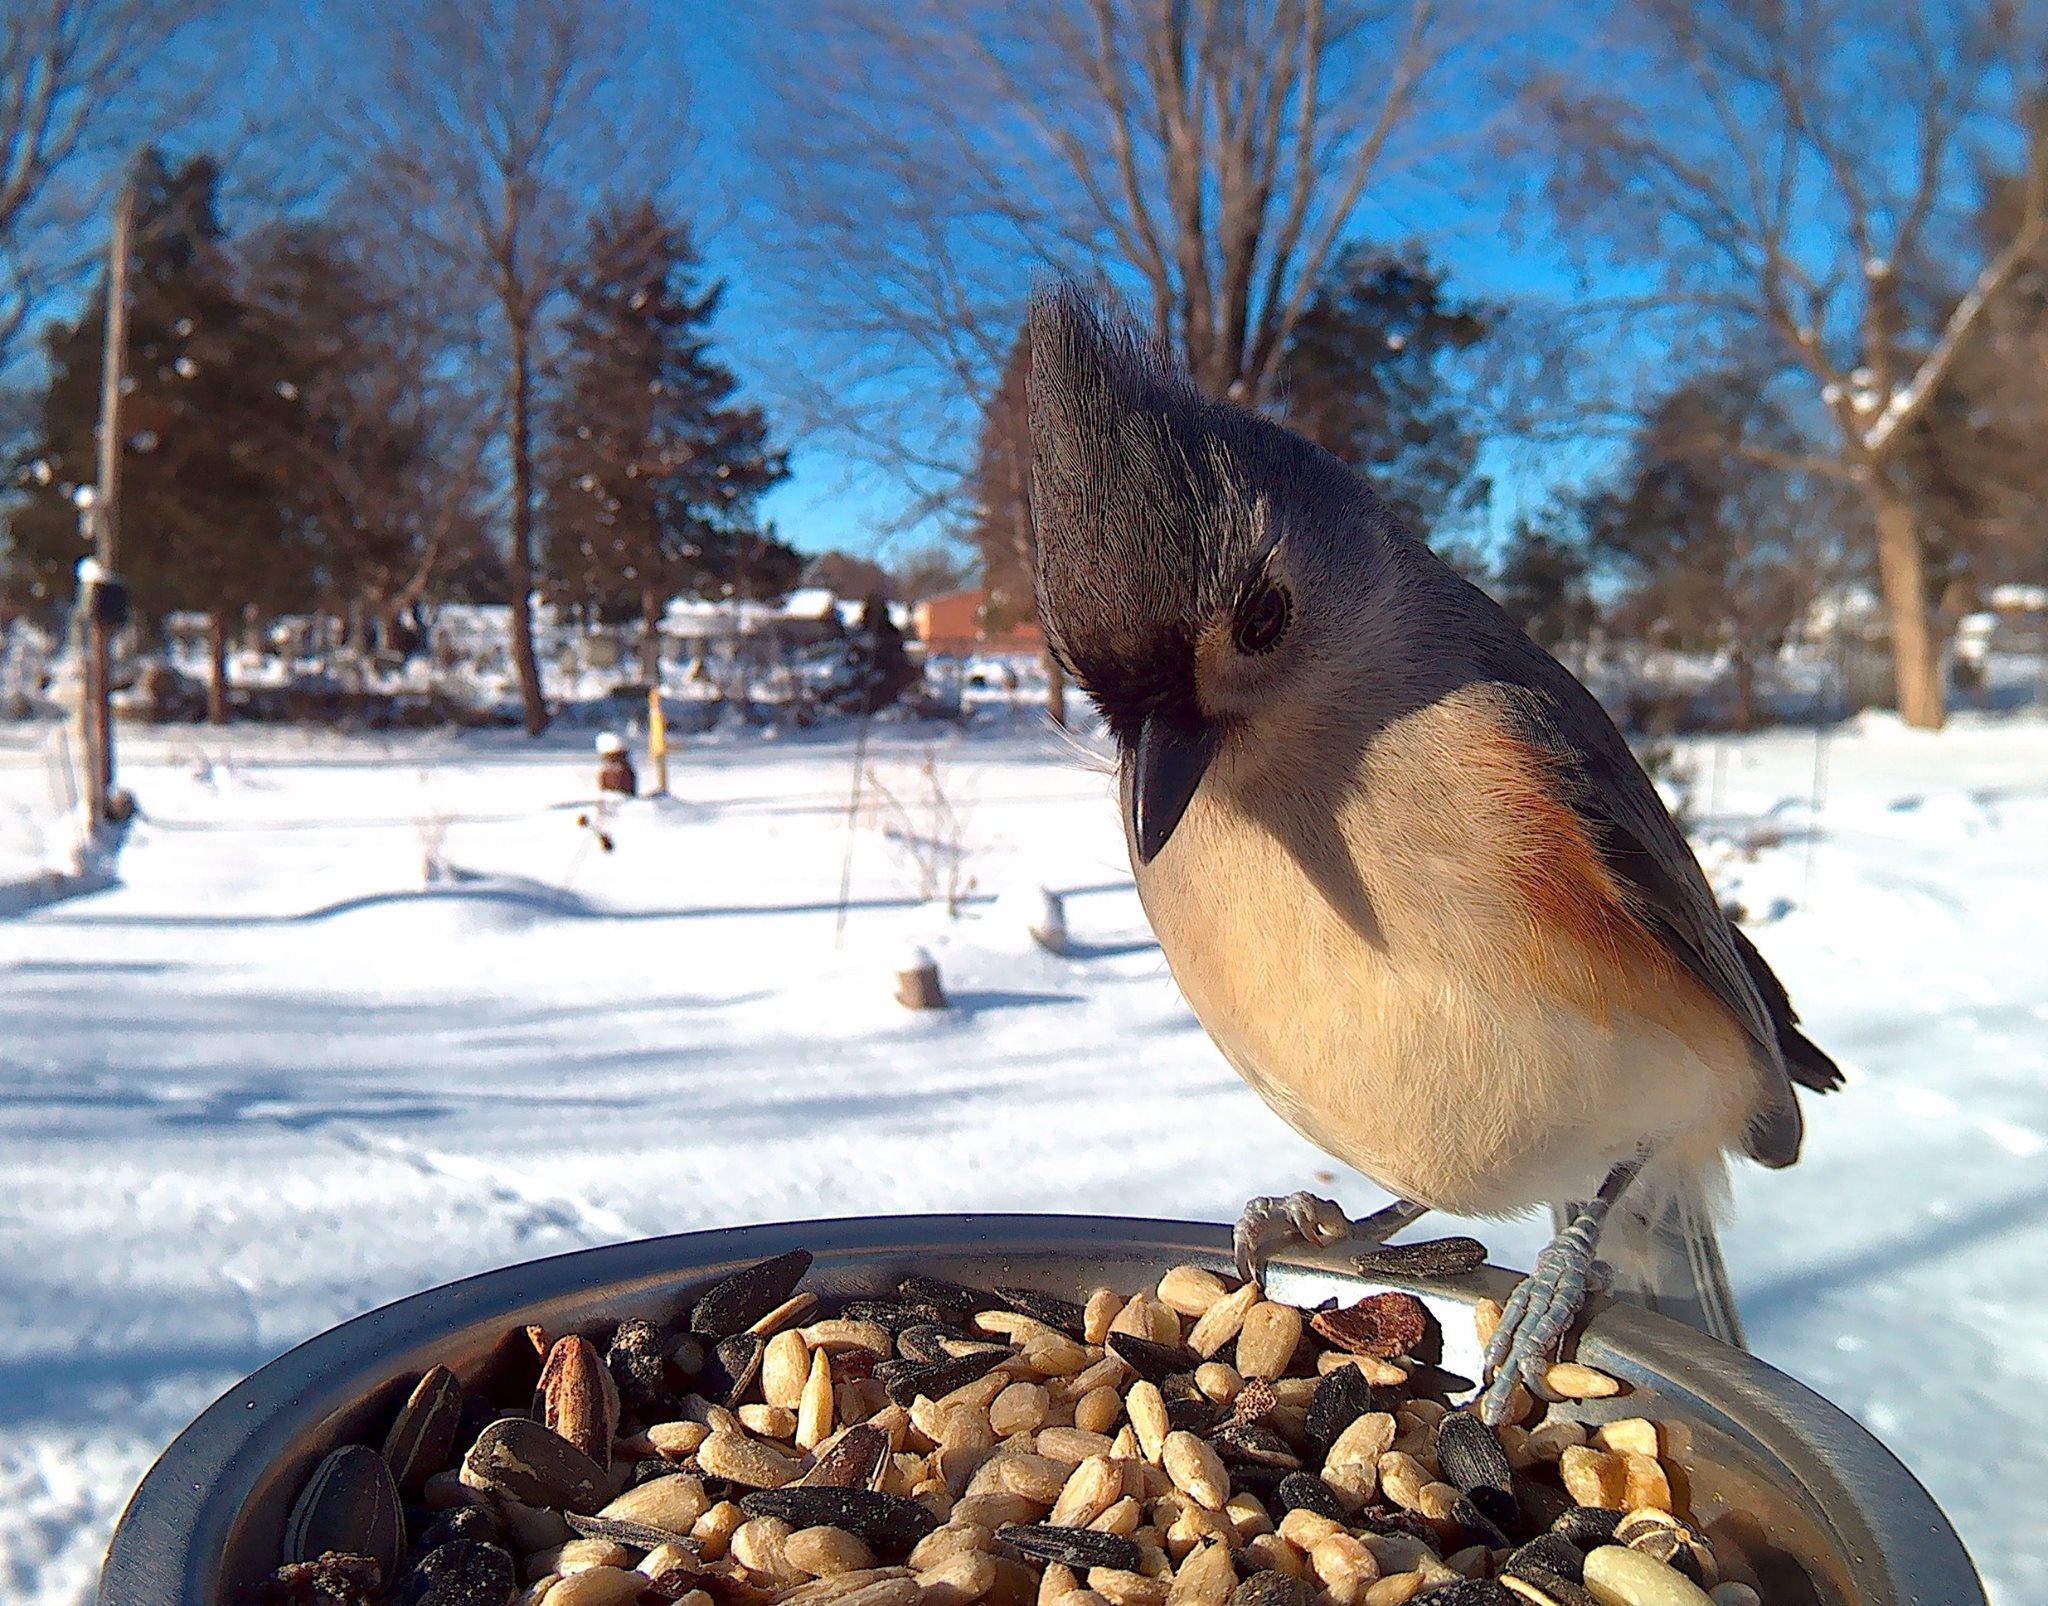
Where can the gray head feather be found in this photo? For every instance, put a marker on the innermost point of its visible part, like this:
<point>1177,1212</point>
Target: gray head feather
<point>1152,504</point>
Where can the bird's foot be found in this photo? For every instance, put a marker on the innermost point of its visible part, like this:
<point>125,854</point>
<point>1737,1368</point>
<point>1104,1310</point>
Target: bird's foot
<point>1538,1315</point>
<point>1541,1311</point>
<point>1299,1217</point>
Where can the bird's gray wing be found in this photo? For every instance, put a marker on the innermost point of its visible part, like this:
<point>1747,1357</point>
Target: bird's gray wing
<point>1648,856</point>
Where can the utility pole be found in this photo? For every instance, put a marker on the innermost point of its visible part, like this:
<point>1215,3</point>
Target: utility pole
<point>103,596</point>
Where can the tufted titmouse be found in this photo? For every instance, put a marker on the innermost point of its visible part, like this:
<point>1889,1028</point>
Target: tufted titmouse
<point>1404,868</point>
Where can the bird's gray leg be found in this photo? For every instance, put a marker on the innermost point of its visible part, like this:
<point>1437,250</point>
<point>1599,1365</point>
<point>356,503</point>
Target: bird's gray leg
<point>1313,1221</point>
<point>1549,1300</point>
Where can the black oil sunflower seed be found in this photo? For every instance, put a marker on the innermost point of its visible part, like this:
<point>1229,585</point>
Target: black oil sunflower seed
<point>1471,1457</point>
<point>1192,1415</point>
<point>1440,1257</point>
<point>1552,1553</point>
<point>852,1461</point>
<point>1272,1589</point>
<point>1474,1592</point>
<point>1303,1491</point>
<point>634,1358</point>
<point>887,1314</point>
<point>926,1342</point>
<point>1483,1529</point>
<point>464,1522</point>
<point>620,1531</point>
<point>1554,1589</point>
<point>1588,1526</point>
<point>906,1380</point>
<point>463,1572</point>
<point>1079,1548</point>
<point>747,1295</point>
<point>1338,1401</point>
<point>1063,1314</point>
<point>1248,1444</point>
<point>890,1523</point>
<point>732,1364</point>
<point>1500,1508</point>
<point>1386,1519</point>
<point>1153,1362</point>
<point>956,1301</point>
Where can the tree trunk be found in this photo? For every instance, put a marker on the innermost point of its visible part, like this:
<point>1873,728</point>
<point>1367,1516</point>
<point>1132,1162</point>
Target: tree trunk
<point>1055,686</point>
<point>1902,572</point>
<point>650,636</point>
<point>217,684</point>
<point>1744,672</point>
<point>519,561</point>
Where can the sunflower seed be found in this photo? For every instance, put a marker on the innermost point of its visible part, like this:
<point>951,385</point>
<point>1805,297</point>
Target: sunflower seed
<point>622,1531</point>
<point>850,1461</point>
<point>906,1380</point>
<point>1471,1457</point>
<point>1272,1589</point>
<point>350,1504</point>
<point>1472,1592</point>
<point>423,1436</point>
<point>926,1342</point>
<point>1302,1491</point>
<point>1440,1257</point>
<point>1080,1548</point>
<point>1063,1314</point>
<point>1587,1526</point>
<point>1152,1361</point>
<point>890,1523</point>
<point>890,1314</point>
<point>1340,1399</point>
<point>748,1295</point>
<point>954,1300</point>
<point>1249,1444</point>
<point>1550,1553</point>
<point>732,1364</point>
<point>518,1459</point>
<point>464,1572</point>
<point>578,1398</point>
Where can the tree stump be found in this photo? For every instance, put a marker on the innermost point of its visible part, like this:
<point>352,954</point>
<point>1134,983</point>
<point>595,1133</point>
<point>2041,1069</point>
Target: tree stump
<point>917,983</point>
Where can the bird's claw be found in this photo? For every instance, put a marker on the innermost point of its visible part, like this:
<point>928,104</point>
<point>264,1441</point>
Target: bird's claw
<point>1270,1220</point>
<point>1533,1326</point>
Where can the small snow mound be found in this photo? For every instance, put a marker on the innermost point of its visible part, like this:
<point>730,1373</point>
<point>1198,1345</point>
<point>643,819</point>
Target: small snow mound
<point>1037,912</point>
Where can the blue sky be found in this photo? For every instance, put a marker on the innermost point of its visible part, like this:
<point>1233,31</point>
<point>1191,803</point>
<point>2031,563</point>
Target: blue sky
<point>832,500</point>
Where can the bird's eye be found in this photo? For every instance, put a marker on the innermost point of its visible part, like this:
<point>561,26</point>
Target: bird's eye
<point>1262,619</point>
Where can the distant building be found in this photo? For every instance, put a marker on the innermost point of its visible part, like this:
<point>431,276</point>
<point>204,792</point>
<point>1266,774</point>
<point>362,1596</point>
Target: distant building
<point>955,626</point>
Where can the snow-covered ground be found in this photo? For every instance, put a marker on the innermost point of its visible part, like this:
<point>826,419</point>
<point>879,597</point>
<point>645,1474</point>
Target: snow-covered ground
<point>272,1077</point>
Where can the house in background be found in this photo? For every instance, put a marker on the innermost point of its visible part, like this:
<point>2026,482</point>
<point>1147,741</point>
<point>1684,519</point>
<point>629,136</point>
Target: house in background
<point>955,625</point>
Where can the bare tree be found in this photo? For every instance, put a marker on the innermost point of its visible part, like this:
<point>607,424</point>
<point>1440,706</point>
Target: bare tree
<point>83,85</point>
<point>1205,156</point>
<point>1794,166</point>
<point>1002,531</point>
<point>497,125</point>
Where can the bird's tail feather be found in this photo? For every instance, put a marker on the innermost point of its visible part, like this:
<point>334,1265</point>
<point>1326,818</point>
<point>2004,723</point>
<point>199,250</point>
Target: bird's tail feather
<point>1666,1259</point>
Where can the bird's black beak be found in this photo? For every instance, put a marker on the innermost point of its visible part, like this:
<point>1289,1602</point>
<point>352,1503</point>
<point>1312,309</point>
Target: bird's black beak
<point>1166,768</point>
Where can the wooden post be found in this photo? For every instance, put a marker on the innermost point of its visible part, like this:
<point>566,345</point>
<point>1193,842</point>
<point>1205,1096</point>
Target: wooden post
<point>97,715</point>
<point>657,740</point>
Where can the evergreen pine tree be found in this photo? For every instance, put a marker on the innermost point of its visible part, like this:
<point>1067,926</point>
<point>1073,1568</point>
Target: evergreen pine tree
<point>209,521</point>
<point>653,471</point>
<point>1368,376</point>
